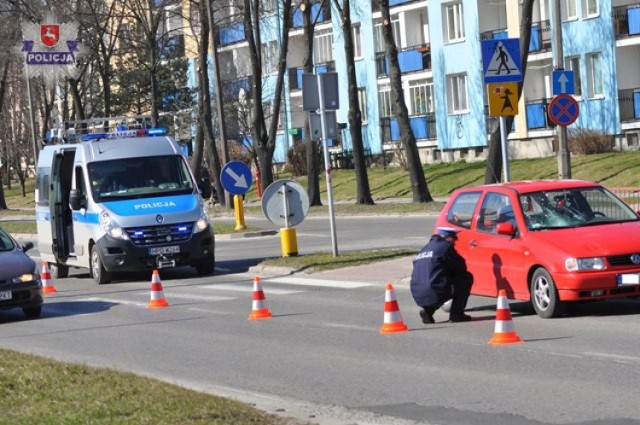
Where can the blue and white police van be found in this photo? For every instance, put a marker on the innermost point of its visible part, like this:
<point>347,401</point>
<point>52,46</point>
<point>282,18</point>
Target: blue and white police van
<point>121,201</point>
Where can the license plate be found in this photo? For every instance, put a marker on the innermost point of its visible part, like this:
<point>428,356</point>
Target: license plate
<point>164,250</point>
<point>5,295</point>
<point>628,279</point>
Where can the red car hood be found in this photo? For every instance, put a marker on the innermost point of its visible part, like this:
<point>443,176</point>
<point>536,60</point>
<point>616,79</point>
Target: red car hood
<point>593,241</point>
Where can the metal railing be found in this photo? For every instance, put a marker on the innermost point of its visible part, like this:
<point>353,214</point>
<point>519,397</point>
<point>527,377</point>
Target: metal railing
<point>410,59</point>
<point>629,104</point>
<point>540,36</point>
<point>423,126</point>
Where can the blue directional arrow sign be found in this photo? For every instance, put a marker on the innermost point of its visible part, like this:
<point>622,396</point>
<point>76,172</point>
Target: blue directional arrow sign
<point>235,177</point>
<point>563,82</point>
<point>501,60</point>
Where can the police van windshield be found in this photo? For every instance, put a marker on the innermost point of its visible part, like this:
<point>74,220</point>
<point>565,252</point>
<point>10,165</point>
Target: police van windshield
<point>144,177</point>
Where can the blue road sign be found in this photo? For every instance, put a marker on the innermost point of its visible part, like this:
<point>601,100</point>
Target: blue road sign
<point>563,82</point>
<point>563,110</point>
<point>501,60</point>
<point>236,177</point>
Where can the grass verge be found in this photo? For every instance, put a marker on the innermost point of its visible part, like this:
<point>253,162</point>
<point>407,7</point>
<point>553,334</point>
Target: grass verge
<point>35,390</point>
<point>326,261</point>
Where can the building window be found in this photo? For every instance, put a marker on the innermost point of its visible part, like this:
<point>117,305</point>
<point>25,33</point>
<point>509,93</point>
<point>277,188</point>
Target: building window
<point>323,47</point>
<point>594,75</point>
<point>457,93</point>
<point>590,8</point>
<point>194,18</point>
<point>362,102</point>
<point>379,38</point>
<point>573,64</point>
<point>421,97</point>
<point>454,22</point>
<point>569,10</point>
<point>384,101</point>
<point>270,57</point>
<point>357,42</point>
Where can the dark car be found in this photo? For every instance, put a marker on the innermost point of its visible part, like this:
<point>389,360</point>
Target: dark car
<point>20,284</point>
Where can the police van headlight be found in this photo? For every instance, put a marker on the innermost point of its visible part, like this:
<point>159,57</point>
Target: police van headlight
<point>112,228</point>
<point>202,223</point>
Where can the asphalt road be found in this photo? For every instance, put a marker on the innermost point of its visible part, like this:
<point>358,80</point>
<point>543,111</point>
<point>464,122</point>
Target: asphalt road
<point>322,357</point>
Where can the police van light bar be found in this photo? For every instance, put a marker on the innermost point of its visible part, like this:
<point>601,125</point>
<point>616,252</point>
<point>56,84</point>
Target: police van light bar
<point>125,134</point>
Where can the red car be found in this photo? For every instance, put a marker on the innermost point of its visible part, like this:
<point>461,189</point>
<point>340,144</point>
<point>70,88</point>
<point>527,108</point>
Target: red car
<point>549,242</point>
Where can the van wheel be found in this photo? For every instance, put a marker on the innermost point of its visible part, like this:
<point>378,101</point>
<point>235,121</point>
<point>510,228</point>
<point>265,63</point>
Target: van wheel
<point>98,272</point>
<point>206,267</point>
<point>544,295</point>
<point>58,271</point>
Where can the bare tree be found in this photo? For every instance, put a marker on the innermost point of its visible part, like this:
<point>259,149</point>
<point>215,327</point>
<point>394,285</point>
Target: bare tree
<point>264,138</point>
<point>313,158</point>
<point>494,156</point>
<point>363,192</point>
<point>416,173</point>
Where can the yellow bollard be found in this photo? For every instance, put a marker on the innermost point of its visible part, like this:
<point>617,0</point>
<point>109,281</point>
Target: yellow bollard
<point>288,242</point>
<point>237,204</point>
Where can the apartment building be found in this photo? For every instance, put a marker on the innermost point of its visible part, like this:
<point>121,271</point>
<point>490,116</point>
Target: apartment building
<point>439,52</point>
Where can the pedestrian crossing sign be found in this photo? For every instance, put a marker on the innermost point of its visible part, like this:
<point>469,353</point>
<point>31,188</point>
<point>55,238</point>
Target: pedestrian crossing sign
<point>501,60</point>
<point>503,99</point>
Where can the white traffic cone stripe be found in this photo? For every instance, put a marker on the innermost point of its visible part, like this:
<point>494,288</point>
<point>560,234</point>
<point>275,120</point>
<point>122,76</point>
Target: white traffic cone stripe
<point>389,296</point>
<point>503,326</point>
<point>502,303</point>
<point>258,304</point>
<point>392,317</point>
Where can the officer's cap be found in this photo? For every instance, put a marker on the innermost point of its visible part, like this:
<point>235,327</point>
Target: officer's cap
<point>448,231</point>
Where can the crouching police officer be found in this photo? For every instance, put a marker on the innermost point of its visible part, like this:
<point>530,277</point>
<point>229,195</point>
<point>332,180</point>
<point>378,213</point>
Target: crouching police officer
<point>440,274</point>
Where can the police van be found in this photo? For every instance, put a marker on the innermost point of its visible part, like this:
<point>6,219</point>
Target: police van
<point>121,201</point>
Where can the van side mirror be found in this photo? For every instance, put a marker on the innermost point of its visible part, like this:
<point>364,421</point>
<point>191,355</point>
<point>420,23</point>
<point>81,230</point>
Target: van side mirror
<point>75,199</point>
<point>27,246</point>
<point>205,188</point>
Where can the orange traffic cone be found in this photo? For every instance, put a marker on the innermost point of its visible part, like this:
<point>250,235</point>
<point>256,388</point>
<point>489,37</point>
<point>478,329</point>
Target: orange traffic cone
<point>504,331</point>
<point>157,295</point>
<point>392,317</point>
<point>47,285</point>
<point>259,310</point>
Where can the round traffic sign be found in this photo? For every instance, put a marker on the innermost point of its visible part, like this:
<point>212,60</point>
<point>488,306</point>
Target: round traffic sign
<point>285,203</point>
<point>563,110</point>
<point>235,177</point>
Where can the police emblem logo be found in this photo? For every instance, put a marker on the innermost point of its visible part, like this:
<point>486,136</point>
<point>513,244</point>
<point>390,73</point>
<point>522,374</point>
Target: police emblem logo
<point>49,35</point>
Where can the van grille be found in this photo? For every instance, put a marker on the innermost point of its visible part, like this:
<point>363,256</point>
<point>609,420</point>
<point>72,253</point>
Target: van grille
<point>156,235</point>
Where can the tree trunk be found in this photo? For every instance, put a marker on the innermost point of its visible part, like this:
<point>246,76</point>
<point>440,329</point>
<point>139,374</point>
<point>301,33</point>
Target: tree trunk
<point>313,166</point>
<point>205,115</point>
<point>494,155</point>
<point>363,192</point>
<point>418,182</point>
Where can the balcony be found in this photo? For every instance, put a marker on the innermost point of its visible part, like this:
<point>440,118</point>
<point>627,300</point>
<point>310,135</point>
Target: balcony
<point>540,36</point>
<point>172,47</point>
<point>232,88</point>
<point>410,59</point>
<point>538,115</point>
<point>375,4</point>
<point>230,34</point>
<point>423,126</point>
<point>629,104</point>
<point>321,10</point>
<point>626,21</point>
<point>295,74</point>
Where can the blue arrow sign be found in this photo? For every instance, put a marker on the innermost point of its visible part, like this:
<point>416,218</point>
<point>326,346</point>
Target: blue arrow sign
<point>501,60</point>
<point>563,82</point>
<point>235,177</point>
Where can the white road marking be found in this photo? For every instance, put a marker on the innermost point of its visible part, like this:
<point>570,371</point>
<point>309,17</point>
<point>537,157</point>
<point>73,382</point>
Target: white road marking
<point>615,357</point>
<point>249,288</point>
<point>318,282</point>
<point>199,297</point>
<point>115,301</point>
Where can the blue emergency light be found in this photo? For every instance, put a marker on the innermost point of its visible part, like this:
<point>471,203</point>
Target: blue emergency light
<point>125,134</point>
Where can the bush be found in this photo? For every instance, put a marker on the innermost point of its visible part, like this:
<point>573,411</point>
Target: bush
<point>583,141</point>
<point>297,160</point>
